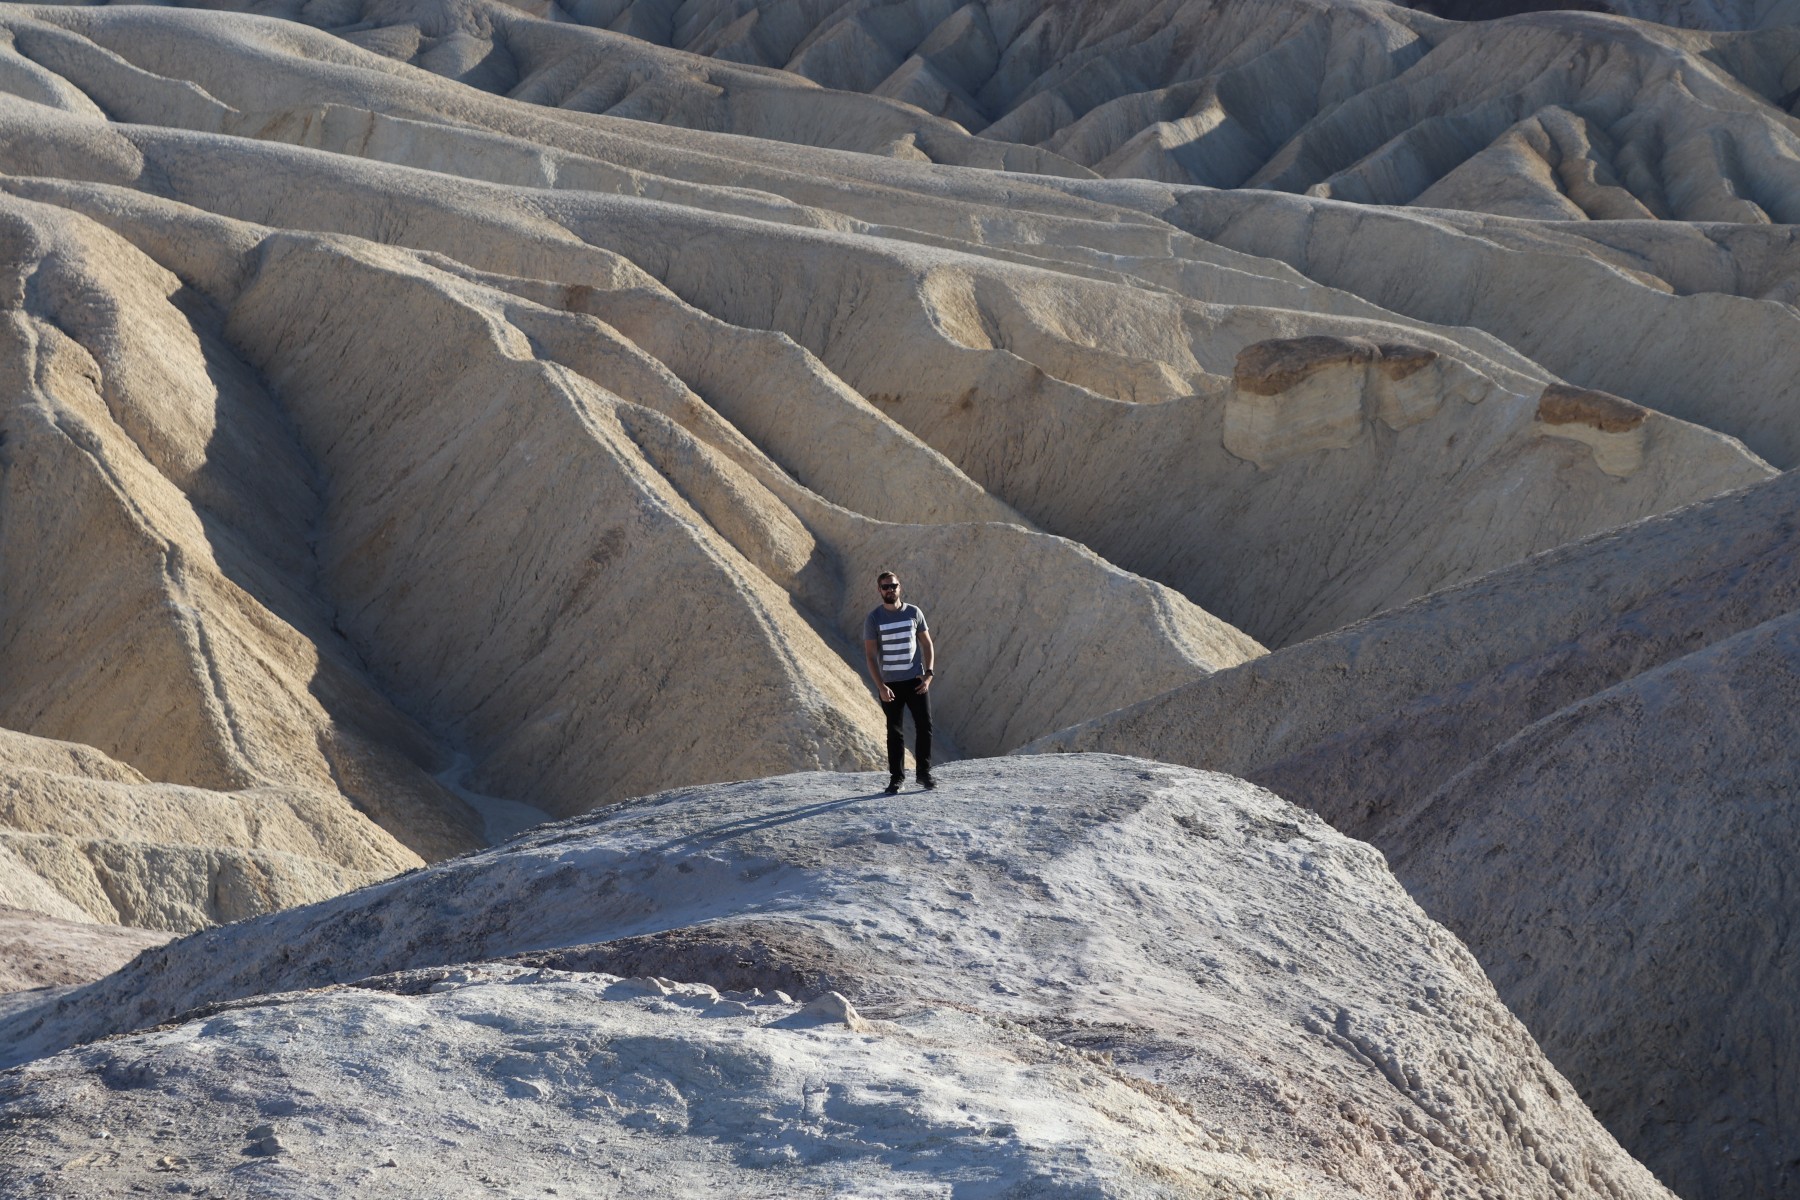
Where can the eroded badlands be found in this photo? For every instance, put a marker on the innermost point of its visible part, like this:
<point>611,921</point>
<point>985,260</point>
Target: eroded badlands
<point>424,418</point>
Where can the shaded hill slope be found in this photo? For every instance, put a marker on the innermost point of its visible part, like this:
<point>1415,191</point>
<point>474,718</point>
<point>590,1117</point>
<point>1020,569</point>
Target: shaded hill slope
<point>1582,763</point>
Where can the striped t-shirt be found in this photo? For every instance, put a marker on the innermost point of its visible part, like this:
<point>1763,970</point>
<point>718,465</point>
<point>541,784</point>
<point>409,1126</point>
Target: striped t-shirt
<point>896,632</point>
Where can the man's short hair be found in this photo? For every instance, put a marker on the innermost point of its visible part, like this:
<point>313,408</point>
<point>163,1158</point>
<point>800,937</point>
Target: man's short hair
<point>885,575</point>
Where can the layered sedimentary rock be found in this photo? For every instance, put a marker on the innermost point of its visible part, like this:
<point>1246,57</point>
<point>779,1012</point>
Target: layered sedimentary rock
<point>1565,116</point>
<point>1652,312</point>
<point>970,352</point>
<point>1708,14</point>
<point>155,609</point>
<point>1581,764</point>
<point>305,615</point>
<point>1039,977</point>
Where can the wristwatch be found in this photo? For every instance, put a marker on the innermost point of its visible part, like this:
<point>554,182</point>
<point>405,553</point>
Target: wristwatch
<point>928,672</point>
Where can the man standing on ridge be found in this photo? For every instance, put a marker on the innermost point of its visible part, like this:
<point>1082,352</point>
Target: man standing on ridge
<point>897,648</point>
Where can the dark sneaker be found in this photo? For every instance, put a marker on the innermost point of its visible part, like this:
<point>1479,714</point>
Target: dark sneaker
<point>927,782</point>
<point>894,784</point>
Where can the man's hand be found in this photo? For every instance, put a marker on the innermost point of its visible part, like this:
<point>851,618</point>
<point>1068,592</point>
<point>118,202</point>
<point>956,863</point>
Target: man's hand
<point>924,684</point>
<point>886,694</point>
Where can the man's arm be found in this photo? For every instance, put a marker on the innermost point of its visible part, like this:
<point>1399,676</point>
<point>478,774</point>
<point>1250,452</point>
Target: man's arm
<point>872,659</point>
<point>929,656</point>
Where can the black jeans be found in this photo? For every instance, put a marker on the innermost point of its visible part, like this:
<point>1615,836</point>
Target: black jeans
<point>908,696</point>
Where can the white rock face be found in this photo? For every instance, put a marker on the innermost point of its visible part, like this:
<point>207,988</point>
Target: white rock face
<point>545,1082</point>
<point>1102,974</point>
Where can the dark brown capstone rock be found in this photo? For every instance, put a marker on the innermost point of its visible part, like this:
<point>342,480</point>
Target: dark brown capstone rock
<point>1565,405</point>
<point>1400,359</point>
<point>1271,367</point>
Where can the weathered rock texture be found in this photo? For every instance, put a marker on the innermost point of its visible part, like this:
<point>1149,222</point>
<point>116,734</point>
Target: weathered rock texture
<point>1650,311</point>
<point>1688,14</point>
<point>1088,974</point>
<point>1583,765</point>
<point>1564,116</point>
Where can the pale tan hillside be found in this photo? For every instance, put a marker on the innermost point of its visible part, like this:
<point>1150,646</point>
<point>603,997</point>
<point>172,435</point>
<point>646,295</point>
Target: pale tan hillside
<point>1655,311</point>
<point>157,608</point>
<point>339,533</point>
<point>1571,114</point>
<point>392,555</point>
<point>85,838</point>
<point>415,407</point>
<point>1691,14</point>
<point>1687,14</point>
<point>41,951</point>
<point>1659,354</point>
<point>1026,375</point>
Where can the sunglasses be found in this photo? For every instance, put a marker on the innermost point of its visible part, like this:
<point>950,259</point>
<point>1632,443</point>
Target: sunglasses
<point>888,587</point>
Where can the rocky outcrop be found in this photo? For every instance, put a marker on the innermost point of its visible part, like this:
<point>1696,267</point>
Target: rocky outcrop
<point>1603,412</point>
<point>1045,967</point>
<point>1295,396</point>
<point>1642,309</point>
<point>1272,367</point>
<point>1611,425</point>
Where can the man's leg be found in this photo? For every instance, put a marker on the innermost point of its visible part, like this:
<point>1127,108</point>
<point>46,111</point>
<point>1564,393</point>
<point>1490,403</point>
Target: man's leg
<point>920,704</point>
<point>896,742</point>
